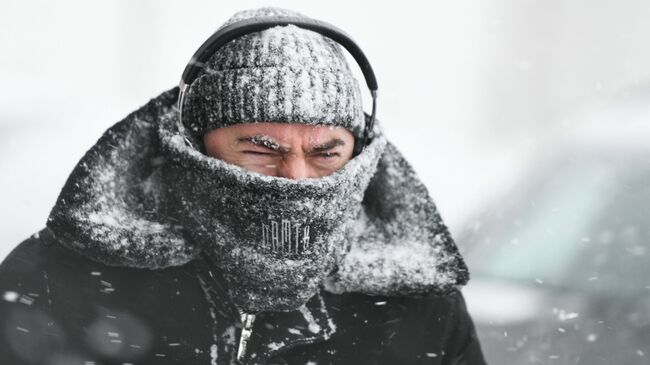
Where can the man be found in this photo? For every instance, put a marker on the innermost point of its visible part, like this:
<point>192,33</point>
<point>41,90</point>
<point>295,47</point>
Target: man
<point>250,231</point>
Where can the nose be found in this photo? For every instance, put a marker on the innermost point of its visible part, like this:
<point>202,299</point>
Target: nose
<point>293,167</point>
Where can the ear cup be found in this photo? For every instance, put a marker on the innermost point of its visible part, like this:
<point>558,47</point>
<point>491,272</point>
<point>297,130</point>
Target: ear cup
<point>362,141</point>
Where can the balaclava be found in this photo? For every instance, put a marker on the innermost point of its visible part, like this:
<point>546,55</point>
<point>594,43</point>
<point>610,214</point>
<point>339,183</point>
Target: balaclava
<point>274,240</point>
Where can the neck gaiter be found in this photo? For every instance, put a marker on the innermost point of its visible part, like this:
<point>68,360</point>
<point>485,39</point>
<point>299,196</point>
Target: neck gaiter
<point>273,239</point>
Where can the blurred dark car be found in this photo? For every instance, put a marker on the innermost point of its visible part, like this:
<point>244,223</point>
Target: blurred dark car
<point>561,264</point>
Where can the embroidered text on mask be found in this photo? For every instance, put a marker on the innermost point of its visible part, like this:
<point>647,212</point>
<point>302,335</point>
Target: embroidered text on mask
<point>284,236</point>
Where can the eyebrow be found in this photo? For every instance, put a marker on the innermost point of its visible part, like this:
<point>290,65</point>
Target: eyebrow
<point>328,145</point>
<point>266,141</point>
<point>263,140</point>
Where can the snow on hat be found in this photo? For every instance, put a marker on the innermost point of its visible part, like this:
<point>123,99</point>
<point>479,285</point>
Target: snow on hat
<point>283,74</point>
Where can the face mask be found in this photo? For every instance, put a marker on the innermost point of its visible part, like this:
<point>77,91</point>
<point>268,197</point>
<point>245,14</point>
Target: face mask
<point>273,239</point>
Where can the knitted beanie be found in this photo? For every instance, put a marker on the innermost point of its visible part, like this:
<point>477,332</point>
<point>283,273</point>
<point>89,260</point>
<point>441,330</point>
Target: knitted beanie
<point>284,74</point>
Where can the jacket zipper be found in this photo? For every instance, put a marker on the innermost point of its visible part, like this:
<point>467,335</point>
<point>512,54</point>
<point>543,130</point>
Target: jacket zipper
<point>247,320</point>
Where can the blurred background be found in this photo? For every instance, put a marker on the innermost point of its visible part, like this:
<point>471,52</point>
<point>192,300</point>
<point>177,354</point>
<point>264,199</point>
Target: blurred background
<point>528,121</point>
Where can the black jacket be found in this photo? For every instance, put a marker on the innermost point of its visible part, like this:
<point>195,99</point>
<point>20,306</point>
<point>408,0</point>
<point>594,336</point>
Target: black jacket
<point>115,280</point>
<point>62,308</point>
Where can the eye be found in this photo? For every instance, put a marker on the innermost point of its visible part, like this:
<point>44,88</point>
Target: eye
<point>258,153</point>
<point>328,155</point>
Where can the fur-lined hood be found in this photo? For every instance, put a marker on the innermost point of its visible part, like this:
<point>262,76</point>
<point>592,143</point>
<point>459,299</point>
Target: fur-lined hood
<point>112,210</point>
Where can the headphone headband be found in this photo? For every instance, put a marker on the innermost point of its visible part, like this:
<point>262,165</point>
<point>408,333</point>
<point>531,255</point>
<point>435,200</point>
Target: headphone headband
<point>247,26</point>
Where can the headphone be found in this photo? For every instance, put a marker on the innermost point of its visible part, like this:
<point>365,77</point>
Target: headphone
<point>247,26</point>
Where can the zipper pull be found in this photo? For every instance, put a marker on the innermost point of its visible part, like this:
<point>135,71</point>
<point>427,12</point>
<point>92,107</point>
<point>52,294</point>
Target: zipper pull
<point>247,320</point>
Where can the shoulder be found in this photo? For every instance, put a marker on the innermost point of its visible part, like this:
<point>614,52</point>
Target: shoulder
<point>460,341</point>
<point>446,325</point>
<point>421,309</point>
<point>60,299</point>
<point>42,254</point>
<point>34,253</point>
<point>26,248</point>
<point>33,258</point>
<point>409,329</point>
<point>41,264</point>
<point>42,257</point>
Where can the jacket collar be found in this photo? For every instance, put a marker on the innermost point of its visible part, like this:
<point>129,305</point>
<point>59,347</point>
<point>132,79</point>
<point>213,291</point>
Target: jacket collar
<point>112,209</point>
<point>270,332</point>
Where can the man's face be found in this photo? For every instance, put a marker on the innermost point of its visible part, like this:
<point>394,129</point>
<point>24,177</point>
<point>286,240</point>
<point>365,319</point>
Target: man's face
<point>294,151</point>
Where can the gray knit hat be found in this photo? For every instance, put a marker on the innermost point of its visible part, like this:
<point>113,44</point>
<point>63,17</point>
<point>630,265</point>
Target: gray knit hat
<point>284,74</point>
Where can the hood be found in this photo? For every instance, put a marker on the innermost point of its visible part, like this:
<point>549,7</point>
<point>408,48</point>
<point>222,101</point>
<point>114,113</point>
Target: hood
<point>112,209</point>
